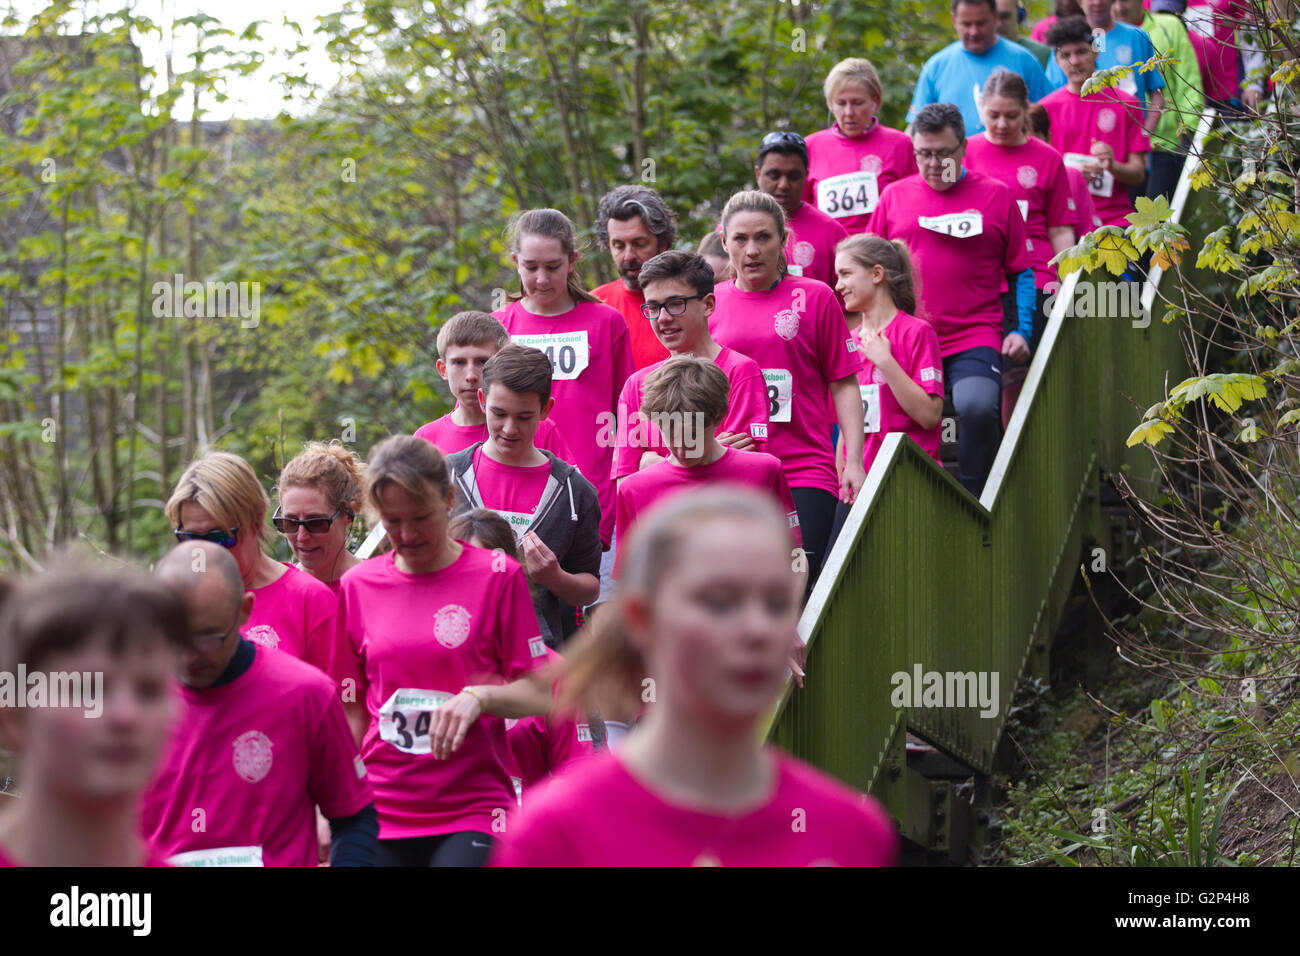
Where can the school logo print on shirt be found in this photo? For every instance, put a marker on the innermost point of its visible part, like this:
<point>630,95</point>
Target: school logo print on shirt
<point>1027,176</point>
<point>1106,120</point>
<point>265,635</point>
<point>786,324</point>
<point>252,755</point>
<point>451,626</point>
<point>804,253</point>
<point>871,164</point>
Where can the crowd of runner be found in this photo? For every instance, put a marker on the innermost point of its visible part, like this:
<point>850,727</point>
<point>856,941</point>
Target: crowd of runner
<point>597,559</point>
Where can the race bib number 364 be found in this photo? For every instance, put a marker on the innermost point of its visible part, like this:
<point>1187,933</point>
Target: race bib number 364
<point>780,393</point>
<point>963,225</point>
<point>405,718</point>
<point>568,351</point>
<point>853,194</point>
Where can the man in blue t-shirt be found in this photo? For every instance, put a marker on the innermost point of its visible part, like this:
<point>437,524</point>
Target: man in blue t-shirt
<point>956,74</point>
<point>1121,44</point>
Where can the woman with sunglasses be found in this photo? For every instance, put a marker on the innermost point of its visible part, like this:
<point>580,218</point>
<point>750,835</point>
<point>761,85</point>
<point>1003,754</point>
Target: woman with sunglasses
<point>851,162</point>
<point>219,499</point>
<point>320,492</point>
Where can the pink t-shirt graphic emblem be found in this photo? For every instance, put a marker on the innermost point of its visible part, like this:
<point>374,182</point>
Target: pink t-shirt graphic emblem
<point>1027,176</point>
<point>787,324</point>
<point>872,164</point>
<point>804,253</point>
<point>252,755</point>
<point>451,626</point>
<point>265,635</point>
<point>1106,120</point>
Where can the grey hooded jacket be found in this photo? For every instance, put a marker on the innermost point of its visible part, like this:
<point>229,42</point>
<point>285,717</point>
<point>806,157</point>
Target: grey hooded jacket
<point>567,520</point>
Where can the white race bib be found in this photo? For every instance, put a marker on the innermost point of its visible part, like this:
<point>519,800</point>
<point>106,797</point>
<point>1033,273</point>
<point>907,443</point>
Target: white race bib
<point>1024,208</point>
<point>405,717</point>
<point>852,194</point>
<point>780,393</point>
<point>963,225</point>
<point>219,856</point>
<point>1129,84</point>
<point>793,269</point>
<point>1100,182</point>
<point>568,351</point>
<point>870,408</point>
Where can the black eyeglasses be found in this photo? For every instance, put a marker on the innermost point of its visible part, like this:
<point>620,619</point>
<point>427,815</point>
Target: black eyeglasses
<point>227,537</point>
<point>924,155</point>
<point>674,306</point>
<point>288,526</point>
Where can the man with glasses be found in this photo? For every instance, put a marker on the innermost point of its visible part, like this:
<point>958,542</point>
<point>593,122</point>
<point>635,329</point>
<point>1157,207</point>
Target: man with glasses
<point>956,74</point>
<point>679,300</point>
<point>635,225</point>
<point>263,743</point>
<point>968,242</point>
<point>812,235</point>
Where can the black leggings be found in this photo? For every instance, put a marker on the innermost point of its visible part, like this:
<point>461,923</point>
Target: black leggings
<point>816,510</point>
<point>467,848</point>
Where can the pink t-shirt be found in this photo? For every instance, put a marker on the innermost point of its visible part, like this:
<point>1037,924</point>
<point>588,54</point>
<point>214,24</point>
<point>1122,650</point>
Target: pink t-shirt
<point>915,347</point>
<point>591,358</point>
<point>1039,32</point>
<point>1088,220</point>
<point>1111,116</point>
<point>811,238</point>
<point>1036,177</point>
<point>964,243</point>
<point>544,746</point>
<point>256,756</point>
<point>1211,26</point>
<point>797,334</point>
<point>509,489</point>
<point>746,411</point>
<point>754,469</point>
<point>294,614</point>
<point>449,438</point>
<point>837,163</point>
<point>601,815</point>
<point>411,642</point>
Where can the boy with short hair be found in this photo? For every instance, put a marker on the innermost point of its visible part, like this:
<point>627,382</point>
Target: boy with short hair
<point>465,343</point>
<point>687,397</point>
<point>553,510</point>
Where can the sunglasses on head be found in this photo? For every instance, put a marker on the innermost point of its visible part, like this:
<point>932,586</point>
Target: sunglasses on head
<point>289,526</point>
<point>226,537</point>
<point>783,137</point>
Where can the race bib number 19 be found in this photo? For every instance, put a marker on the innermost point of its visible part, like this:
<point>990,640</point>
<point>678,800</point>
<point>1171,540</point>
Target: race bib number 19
<point>568,351</point>
<point>780,393</point>
<point>963,225</point>
<point>853,194</point>
<point>870,408</point>
<point>405,717</point>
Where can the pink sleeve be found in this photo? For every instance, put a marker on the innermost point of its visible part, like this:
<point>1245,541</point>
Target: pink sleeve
<point>623,363</point>
<point>345,655</point>
<point>878,225</point>
<point>925,365</point>
<point>336,776</point>
<point>624,515</point>
<point>788,505</point>
<point>832,338</point>
<point>1057,194</point>
<point>627,446</point>
<point>907,158</point>
<point>749,406</point>
<point>562,744</point>
<point>319,615</point>
<point>518,634</point>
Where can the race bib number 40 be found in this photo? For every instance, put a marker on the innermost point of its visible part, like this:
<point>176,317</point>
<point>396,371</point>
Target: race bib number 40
<point>870,408</point>
<point>963,225</point>
<point>568,351</point>
<point>780,393</point>
<point>853,194</point>
<point>405,717</point>
<point>1100,182</point>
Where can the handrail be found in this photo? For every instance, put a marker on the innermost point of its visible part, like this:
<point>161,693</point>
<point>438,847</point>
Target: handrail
<point>925,577</point>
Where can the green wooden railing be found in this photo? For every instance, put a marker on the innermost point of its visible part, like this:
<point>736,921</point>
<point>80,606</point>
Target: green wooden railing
<point>924,575</point>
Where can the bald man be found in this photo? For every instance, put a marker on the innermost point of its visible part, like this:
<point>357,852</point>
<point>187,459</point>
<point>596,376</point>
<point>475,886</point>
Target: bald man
<point>263,743</point>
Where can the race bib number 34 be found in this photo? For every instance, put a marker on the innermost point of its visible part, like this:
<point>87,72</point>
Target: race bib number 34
<point>853,194</point>
<point>963,225</point>
<point>870,408</point>
<point>405,717</point>
<point>568,351</point>
<point>780,393</point>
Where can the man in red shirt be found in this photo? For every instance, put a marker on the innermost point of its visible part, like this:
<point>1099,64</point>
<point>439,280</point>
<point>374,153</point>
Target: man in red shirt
<point>635,225</point>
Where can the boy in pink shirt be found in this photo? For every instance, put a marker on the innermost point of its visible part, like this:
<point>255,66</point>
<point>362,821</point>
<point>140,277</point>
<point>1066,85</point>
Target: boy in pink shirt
<point>811,234</point>
<point>1100,134</point>
<point>550,506</point>
<point>262,744</point>
<point>680,297</point>
<point>465,343</point>
<point>688,396</point>
<point>968,243</point>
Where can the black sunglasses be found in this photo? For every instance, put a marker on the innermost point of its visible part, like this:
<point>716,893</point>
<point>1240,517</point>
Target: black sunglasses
<point>288,526</point>
<point>225,537</point>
